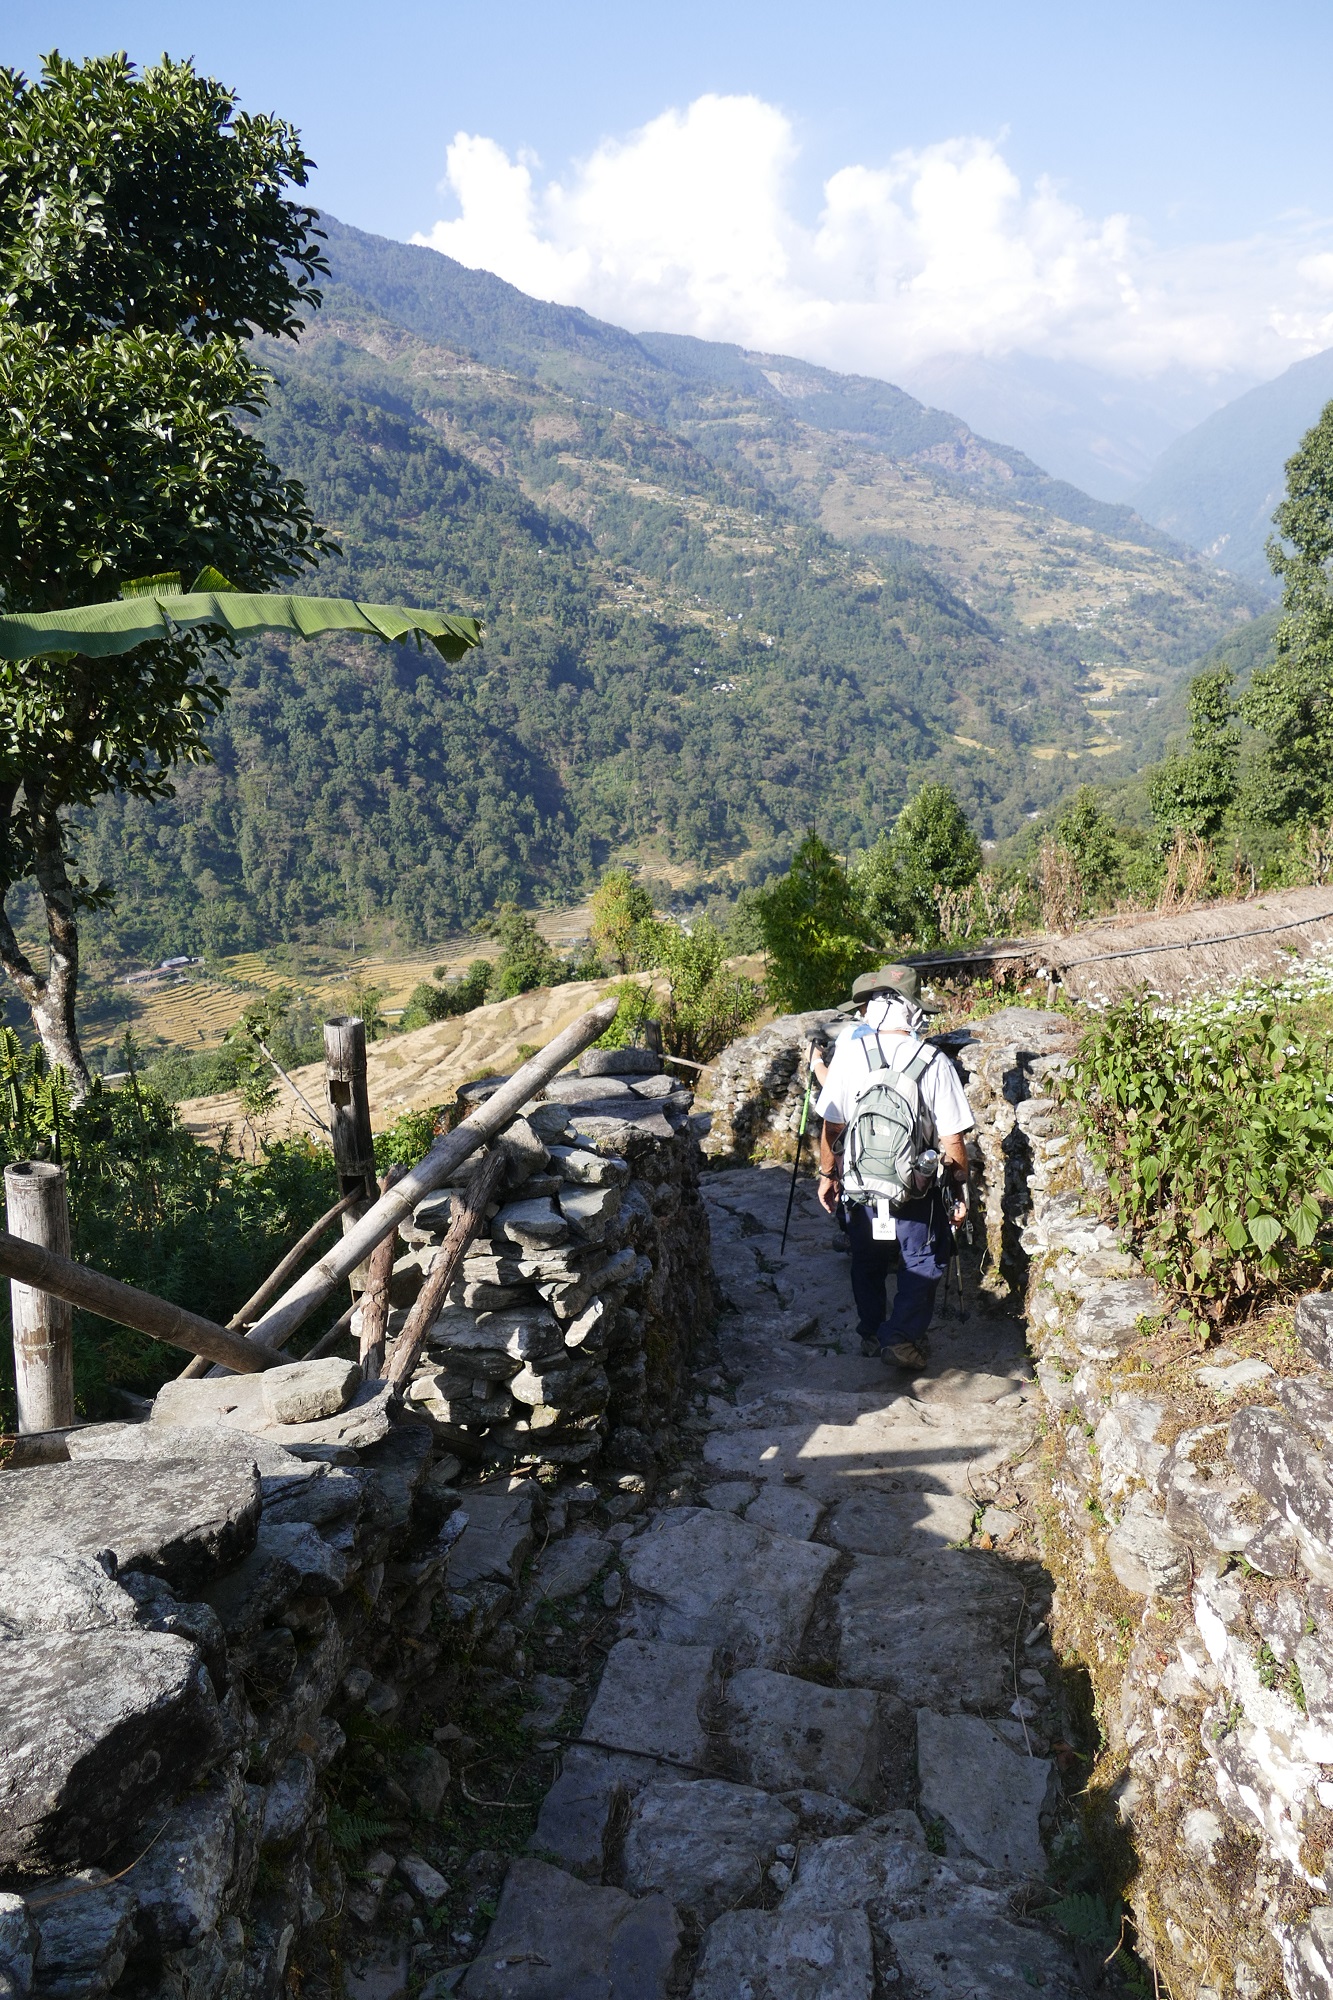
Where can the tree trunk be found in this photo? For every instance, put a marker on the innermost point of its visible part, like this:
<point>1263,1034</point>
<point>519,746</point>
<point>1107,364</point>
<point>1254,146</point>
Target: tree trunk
<point>54,1020</point>
<point>50,1001</point>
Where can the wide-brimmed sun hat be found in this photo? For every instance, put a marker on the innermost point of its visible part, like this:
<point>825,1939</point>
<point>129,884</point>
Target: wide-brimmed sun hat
<point>902,979</point>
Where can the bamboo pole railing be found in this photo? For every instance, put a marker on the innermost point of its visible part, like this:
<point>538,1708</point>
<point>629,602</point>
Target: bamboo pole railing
<point>447,1154</point>
<point>81,1285</point>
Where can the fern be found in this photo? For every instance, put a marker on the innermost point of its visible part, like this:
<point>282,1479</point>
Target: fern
<point>350,1831</point>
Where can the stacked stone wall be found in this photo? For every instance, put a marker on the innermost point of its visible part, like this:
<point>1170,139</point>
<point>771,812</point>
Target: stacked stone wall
<point>1188,1523</point>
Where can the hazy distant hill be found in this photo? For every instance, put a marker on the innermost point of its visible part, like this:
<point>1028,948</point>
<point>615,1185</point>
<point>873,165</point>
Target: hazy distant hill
<point>1217,486</point>
<point>1104,432</point>
<point>727,596</point>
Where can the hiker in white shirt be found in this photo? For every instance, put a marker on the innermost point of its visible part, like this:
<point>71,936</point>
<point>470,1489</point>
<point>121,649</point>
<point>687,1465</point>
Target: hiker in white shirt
<point>919,1229</point>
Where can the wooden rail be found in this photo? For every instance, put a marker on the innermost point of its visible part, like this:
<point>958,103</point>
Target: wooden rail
<point>47,1271</point>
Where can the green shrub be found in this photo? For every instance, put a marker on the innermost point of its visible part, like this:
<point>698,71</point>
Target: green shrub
<point>427,1003</point>
<point>153,1206</point>
<point>1215,1124</point>
<point>707,1006</point>
<point>407,1140</point>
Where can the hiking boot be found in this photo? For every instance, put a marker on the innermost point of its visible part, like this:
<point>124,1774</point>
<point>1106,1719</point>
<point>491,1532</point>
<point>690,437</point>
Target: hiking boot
<point>871,1349</point>
<point>907,1354</point>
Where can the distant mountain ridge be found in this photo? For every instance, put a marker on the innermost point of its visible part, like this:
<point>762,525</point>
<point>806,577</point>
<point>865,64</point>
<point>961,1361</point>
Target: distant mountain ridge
<point>727,595</point>
<point>659,375</point>
<point>1217,486</point>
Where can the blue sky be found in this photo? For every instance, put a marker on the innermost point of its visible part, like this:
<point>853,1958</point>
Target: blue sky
<point>1204,119</point>
<point>1141,187</point>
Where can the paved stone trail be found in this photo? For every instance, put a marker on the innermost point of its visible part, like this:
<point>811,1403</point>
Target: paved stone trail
<point>812,1769</point>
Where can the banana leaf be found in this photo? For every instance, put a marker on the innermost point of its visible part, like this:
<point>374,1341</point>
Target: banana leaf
<point>116,627</point>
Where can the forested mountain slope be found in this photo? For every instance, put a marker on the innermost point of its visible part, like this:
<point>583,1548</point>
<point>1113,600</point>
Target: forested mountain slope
<point>726,596</point>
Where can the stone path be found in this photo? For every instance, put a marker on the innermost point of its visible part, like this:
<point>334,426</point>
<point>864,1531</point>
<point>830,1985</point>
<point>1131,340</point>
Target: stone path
<point>816,1764</point>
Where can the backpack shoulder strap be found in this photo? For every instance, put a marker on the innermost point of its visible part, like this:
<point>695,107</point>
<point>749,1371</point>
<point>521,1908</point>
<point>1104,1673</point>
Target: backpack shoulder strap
<point>876,1059</point>
<point>920,1063</point>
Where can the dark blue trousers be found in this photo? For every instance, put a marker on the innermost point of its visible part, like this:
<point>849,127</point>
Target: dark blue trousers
<point>921,1254</point>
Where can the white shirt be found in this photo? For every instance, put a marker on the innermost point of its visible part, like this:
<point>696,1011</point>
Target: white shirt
<point>942,1096</point>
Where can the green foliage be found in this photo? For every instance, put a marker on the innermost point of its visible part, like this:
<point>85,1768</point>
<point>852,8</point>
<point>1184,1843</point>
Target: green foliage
<point>1215,1125</point>
<point>898,880</point>
<point>526,960</point>
<point>1090,1919</point>
<point>1088,832</point>
<point>1291,701</point>
<point>152,1206</point>
<point>620,907</point>
<point>351,1831</point>
<point>407,1140</point>
<point>815,930</point>
<point>143,229</point>
<point>707,1005</point>
<point>145,201</point>
<point>636,1005</point>
<point>1194,793</point>
<point>427,1002</point>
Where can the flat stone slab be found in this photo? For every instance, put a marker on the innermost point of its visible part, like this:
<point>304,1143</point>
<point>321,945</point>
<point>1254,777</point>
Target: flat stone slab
<point>705,1844</point>
<point>84,1936</point>
<point>570,1566</point>
<point>786,1511</point>
<point>900,1524</point>
<point>883,1869</point>
<point>555,1938</point>
<point>719,1581</point>
<point>790,1733</point>
<point>575,1819</point>
<point>184,1519</point>
<point>806,1955</point>
<point>938,1634</point>
<point>649,1698</point>
<point>97,1728</point>
<point>496,1541</point>
<point>891,1446</point>
<point>981,1954</point>
<point>305,1391</point>
<point>989,1795</point>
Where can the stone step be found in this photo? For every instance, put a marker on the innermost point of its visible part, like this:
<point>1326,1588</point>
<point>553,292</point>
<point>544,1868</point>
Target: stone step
<point>555,1938</point>
<point>778,1956</point>
<point>711,1579</point>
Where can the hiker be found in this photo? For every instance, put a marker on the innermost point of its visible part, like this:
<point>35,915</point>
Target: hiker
<point>899,1175</point>
<point>869,986</point>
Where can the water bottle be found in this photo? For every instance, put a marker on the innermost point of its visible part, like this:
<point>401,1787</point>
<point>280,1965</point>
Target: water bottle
<point>927,1169</point>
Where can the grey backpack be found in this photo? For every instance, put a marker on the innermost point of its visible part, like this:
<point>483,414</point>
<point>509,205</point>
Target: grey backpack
<point>886,1135</point>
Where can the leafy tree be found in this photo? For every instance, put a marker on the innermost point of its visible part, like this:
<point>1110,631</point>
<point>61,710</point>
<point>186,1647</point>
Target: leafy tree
<point>526,960</point>
<point>620,908</point>
<point>1192,793</point>
<point>814,929</point>
<point>1091,836</point>
<point>931,845</point>
<point>1291,701</point>
<point>143,230</point>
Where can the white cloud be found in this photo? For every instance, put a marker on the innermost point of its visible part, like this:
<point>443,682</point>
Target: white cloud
<point>688,226</point>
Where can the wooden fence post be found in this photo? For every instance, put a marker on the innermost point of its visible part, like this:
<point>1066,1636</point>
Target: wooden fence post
<point>37,1210</point>
<point>349,1108</point>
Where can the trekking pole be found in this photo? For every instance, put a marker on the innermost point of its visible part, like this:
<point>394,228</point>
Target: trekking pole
<point>796,1163</point>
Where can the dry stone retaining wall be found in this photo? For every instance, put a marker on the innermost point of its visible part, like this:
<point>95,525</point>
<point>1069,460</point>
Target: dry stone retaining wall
<point>196,1610</point>
<point>1189,1526</point>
